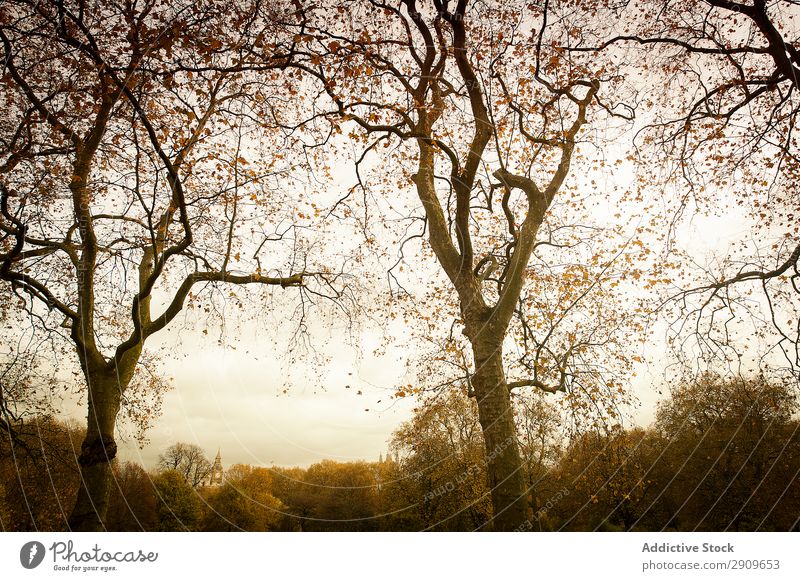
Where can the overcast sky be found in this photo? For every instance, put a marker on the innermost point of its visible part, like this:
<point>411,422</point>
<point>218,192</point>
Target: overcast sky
<point>226,399</point>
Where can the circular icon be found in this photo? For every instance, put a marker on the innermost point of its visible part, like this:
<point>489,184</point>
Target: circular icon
<point>31,554</point>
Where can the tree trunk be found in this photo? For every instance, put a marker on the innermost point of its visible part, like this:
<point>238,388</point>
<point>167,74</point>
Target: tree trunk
<point>503,462</point>
<point>97,451</point>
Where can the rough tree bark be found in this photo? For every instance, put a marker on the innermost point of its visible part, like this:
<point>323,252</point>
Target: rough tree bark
<point>506,476</point>
<point>99,448</point>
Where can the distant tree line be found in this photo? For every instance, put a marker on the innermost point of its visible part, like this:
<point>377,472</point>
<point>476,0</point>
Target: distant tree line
<point>721,455</point>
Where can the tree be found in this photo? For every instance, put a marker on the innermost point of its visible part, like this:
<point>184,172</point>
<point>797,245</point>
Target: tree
<point>328,496</point>
<point>480,116</point>
<point>441,476</point>
<point>132,505</point>
<point>438,479</point>
<point>608,475</point>
<point>541,437</point>
<point>344,496</point>
<point>179,507</point>
<point>187,459</point>
<point>731,453</point>
<point>722,455</point>
<point>287,487</point>
<point>244,503</point>
<point>123,179</point>
<point>39,474</point>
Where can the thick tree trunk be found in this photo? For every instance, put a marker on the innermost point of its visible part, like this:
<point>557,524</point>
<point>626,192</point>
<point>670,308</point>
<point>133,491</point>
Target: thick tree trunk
<point>97,451</point>
<point>503,461</point>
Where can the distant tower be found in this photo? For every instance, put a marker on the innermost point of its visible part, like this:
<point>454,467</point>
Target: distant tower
<point>215,478</point>
<point>389,458</point>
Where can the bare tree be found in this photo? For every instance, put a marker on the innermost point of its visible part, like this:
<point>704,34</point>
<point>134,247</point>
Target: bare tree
<point>125,191</point>
<point>187,459</point>
<point>480,117</point>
